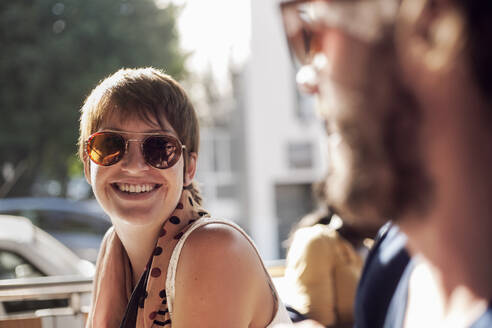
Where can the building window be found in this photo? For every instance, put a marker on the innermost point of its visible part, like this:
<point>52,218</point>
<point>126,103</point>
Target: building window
<point>300,155</point>
<point>292,201</point>
<point>215,171</point>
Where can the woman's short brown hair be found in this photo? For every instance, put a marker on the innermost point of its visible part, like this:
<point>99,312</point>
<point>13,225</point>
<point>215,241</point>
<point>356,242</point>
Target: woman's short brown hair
<point>145,93</point>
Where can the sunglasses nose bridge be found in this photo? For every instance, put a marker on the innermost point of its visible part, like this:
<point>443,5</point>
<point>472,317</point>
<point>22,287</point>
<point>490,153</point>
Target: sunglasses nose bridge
<point>134,157</point>
<point>127,145</point>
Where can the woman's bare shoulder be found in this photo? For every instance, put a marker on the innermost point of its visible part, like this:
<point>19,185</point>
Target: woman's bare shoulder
<point>219,278</point>
<point>218,244</point>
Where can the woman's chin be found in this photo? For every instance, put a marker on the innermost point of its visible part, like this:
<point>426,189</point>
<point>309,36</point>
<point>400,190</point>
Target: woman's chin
<point>138,217</point>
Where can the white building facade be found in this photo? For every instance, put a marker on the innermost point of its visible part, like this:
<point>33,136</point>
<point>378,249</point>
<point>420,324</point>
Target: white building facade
<point>270,148</point>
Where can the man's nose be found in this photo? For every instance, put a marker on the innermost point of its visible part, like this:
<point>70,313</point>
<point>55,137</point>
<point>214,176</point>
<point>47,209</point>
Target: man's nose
<point>307,79</point>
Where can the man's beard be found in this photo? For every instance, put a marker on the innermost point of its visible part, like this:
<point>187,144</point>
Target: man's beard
<point>376,173</point>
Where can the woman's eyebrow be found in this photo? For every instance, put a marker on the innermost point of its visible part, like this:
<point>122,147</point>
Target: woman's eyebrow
<point>146,131</point>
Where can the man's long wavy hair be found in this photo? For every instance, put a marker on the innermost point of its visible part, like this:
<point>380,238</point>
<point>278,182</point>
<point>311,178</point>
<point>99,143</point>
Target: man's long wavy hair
<point>478,44</point>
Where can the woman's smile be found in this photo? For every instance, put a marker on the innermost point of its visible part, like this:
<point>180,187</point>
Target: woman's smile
<point>133,191</point>
<point>136,188</point>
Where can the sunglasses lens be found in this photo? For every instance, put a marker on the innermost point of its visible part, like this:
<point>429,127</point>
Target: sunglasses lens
<point>105,148</point>
<point>305,24</point>
<point>161,152</point>
<point>299,35</point>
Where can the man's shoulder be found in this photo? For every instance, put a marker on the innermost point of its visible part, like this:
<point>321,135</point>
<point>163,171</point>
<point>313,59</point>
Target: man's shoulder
<point>380,277</point>
<point>485,319</point>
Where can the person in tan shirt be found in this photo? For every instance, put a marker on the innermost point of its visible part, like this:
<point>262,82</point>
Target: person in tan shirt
<point>324,264</point>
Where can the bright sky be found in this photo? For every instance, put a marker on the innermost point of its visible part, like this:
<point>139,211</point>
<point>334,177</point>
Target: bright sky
<point>216,31</point>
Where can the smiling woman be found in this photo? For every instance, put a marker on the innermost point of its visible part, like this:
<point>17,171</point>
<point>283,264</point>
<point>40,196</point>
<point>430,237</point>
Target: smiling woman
<point>166,261</point>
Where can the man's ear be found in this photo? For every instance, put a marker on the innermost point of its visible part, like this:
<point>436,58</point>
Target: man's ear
<point>190,169</point>
<point>429,33</point>
<point>87,169</point>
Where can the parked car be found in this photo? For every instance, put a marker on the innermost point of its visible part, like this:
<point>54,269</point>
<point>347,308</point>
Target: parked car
<point>80,225</point>
<point>27,251</point>
<point>39,273</point>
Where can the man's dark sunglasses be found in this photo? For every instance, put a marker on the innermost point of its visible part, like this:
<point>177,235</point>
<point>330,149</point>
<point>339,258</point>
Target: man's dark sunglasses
<point>305,22</point>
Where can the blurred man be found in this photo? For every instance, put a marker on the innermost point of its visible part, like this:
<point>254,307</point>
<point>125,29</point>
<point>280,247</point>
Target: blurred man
<point>405,88</point>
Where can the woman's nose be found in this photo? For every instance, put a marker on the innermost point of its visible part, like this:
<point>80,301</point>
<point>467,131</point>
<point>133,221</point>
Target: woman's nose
<point>134,159</point>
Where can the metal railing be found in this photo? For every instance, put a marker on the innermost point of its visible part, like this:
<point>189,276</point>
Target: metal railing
<point>57,301</point>
<point>60,301</point>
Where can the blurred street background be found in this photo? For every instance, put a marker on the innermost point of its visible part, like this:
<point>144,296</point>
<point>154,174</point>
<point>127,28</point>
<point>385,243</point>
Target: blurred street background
<point>261,143</point>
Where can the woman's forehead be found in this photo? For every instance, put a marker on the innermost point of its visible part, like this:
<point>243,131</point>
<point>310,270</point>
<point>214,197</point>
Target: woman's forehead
<point>119,118</point>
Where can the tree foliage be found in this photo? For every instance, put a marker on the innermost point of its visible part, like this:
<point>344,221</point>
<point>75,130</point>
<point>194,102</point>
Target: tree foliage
<point>53,52</point>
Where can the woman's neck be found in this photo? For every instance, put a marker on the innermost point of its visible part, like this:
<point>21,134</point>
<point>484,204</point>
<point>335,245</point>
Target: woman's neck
<point>139,244</point>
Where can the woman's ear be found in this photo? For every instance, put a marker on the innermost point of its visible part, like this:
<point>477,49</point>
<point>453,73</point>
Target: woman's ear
<point>190,169</point>
<point>87,169</point>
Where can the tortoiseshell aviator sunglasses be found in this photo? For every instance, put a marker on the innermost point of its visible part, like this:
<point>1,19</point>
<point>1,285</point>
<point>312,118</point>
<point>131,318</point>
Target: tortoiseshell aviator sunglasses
<point>305,21</point>
<point>108,147</point>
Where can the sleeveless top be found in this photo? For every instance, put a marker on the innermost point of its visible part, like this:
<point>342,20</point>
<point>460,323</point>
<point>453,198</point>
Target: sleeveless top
<point>281,315</point>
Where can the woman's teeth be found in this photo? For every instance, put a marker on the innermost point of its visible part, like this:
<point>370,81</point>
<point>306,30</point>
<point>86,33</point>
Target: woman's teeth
<point>135,188</point>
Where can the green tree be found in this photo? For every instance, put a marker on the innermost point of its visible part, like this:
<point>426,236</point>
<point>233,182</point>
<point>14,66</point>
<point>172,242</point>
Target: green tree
<point>52,53</point>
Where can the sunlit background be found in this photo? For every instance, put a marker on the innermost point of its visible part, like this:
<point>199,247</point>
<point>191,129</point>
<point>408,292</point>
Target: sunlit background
<point>261,146</point>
